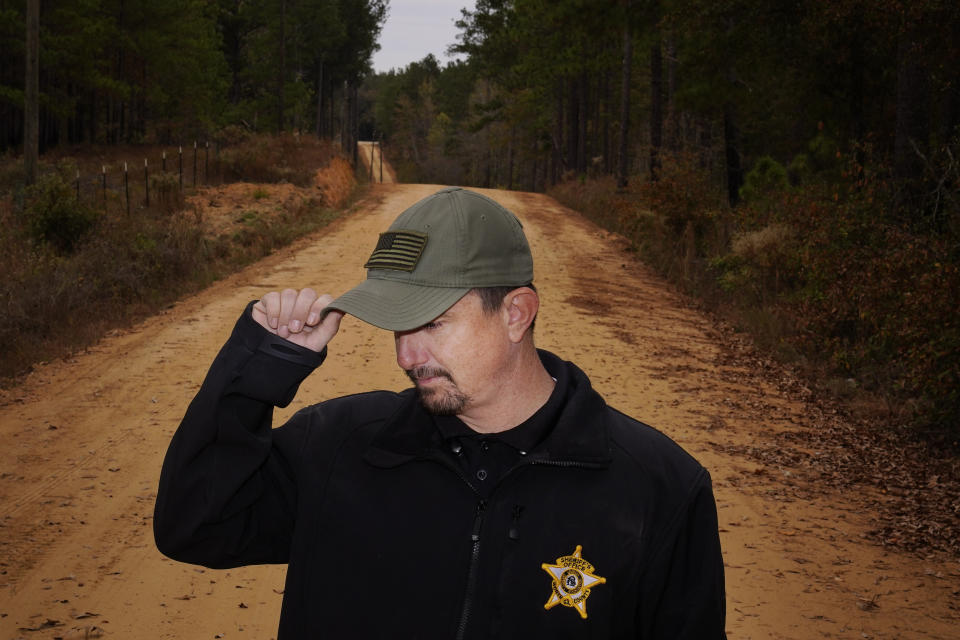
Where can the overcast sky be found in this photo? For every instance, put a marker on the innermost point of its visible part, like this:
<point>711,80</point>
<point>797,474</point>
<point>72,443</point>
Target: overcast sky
<point>415,28</point>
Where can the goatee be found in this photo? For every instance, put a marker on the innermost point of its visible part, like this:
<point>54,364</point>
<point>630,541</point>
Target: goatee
<point>445,400</point>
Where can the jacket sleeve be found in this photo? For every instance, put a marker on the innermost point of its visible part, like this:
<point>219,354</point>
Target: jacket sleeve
<point>227,492</point>
<point>682,595</point>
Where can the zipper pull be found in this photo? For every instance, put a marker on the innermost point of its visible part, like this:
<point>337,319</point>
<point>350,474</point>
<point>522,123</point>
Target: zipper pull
<point>514,533</point>
<point>478,520</point>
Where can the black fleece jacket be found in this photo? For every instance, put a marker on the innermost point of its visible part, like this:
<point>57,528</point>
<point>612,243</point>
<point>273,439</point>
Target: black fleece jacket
<point>605,529</point>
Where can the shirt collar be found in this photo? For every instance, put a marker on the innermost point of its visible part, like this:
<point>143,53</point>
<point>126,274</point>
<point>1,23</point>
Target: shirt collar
<point>528,434</point>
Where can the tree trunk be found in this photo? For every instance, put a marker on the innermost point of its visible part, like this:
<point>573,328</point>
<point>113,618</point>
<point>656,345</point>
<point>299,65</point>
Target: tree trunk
<point>572,124</point>
<point>513,137</point>
<point>731,146</point>
<point>656,106</point>
<point>319,128</point>
<point>623,160</point>
<point>534,166</point>
<point>672,121</point>
<point>605,118</point>
<point>281,107</point>
<point>949,130</point>
<point>355,122</point>
<point>557,150</point>
<point>582,114</point>
<point>343,119</point>
<point>912,133</point>
<point>31,107</point>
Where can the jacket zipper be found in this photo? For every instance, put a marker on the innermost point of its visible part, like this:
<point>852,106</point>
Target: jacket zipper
<point>472,571</point>
<point>478,524</point>
<point>564,463</point>
<point>514,532</point>
<point>470,591</point>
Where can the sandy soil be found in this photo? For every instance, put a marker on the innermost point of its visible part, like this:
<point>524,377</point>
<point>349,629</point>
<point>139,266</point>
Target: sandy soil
<point>84,439</point>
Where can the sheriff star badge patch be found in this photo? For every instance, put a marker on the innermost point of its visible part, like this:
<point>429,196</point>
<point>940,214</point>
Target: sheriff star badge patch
<point>572,579</point>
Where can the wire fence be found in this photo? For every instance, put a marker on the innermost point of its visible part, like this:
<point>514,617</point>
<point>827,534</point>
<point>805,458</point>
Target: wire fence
<point>163,181</point>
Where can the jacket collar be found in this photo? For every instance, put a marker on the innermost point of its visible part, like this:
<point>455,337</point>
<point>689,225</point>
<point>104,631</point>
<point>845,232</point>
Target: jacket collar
<point>580,434</point>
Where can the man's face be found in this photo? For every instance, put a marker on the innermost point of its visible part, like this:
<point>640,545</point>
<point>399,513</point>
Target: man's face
<point>454,361</point>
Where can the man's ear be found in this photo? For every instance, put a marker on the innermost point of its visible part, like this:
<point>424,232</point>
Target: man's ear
<point>520,307</point>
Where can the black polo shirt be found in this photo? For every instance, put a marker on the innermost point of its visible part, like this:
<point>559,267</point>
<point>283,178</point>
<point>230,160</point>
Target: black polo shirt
<point>485,457</point>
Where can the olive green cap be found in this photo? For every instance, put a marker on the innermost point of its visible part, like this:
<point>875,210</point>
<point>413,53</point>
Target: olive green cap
<point>433,254</point>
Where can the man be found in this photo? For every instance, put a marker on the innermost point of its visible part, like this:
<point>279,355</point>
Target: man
<point>498,498</point>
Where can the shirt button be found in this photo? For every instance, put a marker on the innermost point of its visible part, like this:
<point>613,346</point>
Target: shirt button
<point>484,445</point>
<point>482,475</point>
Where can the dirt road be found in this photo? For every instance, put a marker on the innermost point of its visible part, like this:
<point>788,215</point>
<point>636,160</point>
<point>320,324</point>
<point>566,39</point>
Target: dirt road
<point>379,170</point>
<point>83,442</point>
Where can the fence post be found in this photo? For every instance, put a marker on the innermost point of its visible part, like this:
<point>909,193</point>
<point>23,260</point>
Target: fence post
<point>194,164</point>
<point>380,147</point>
<point>103,172</point>
<point>373,145</point>
<point>78,185</point>
<point>146,184</point>
<point>206,162</point>
<point>163,162</point>
<point>126,186</point>
<point>180,154</point>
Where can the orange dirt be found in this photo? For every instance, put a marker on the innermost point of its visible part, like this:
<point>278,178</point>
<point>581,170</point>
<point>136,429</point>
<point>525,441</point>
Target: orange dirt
<point>84,439</point>
<point>223,209</point>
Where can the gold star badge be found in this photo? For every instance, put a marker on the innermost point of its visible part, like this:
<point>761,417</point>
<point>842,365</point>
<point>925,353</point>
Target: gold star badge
<point>572,578</point>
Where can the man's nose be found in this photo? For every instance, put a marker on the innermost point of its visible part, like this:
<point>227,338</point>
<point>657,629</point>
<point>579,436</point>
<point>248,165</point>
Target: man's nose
<point>410,351</point>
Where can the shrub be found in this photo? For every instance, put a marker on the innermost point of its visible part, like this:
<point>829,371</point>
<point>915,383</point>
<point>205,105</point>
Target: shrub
<point>166,190</point>
<point>761,263</point>
<point>56,268</point>
<point>54,216</point>
<point>766,178</point>
<point>283,158</point>
<point>825,273</point>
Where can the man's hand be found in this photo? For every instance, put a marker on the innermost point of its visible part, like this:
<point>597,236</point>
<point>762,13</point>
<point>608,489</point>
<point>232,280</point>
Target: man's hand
<point>295,316</point>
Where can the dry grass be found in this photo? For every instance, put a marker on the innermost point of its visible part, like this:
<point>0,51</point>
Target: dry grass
<point>58,297</point>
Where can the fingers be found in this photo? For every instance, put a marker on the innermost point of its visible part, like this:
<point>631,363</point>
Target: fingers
<point>327,328</point>
<point>288,303</point>
<point>316,309</point>
<point>303,315</point>
<point>267,311</point>
<point>297,316</point>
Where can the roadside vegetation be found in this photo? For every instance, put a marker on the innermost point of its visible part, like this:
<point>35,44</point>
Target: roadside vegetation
<point>185,96</point>
<point>822,274</point>
<point>75,266</point>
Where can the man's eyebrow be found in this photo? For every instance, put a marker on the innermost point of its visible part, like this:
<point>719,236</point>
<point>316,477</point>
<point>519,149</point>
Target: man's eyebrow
<point>449,313</point>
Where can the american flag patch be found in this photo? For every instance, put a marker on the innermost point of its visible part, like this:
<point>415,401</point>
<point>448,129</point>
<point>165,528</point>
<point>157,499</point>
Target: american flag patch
<point>397,250</point>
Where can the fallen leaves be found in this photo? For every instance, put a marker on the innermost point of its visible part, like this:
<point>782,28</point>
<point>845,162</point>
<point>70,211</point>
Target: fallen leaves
<point>912,485</point>
<point>48,623</point>
<point>82,633</point>
<point>868,604</point>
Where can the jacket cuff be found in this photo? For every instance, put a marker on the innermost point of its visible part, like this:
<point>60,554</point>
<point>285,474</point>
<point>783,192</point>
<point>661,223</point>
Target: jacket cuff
<point>275,368</point>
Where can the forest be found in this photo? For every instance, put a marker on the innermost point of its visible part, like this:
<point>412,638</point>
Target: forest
<point>793,165</point>
<point>136,71</point>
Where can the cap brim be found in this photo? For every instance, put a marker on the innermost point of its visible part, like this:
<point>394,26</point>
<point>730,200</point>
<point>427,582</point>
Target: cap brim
<point>396,306</point>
